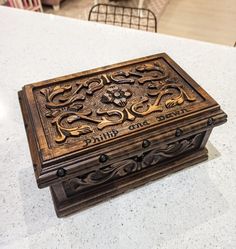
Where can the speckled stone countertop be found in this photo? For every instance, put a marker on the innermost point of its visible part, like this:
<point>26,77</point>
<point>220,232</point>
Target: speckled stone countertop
<point>195,208</point>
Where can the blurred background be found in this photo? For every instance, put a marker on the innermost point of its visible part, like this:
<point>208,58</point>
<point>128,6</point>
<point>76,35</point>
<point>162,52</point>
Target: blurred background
<point>207,20</point>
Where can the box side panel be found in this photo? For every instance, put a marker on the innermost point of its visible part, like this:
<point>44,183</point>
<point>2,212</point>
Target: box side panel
<point>32,141</point>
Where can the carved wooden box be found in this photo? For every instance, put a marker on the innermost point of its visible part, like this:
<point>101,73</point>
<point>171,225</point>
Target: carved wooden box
<point>95,134</point>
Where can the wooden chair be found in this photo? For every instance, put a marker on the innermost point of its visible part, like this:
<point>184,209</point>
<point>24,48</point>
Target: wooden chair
<point>137,18</point>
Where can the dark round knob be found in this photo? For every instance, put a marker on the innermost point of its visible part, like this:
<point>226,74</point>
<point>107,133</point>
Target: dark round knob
<point>178,132</point>
<point>103,158</point>
<point>61,172</point>
<point>210,121</point>
<point>146,143</point>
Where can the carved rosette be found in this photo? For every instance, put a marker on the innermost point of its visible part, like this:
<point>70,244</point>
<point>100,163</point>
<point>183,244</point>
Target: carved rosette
<point>116,95</point>
<point>66,103</point>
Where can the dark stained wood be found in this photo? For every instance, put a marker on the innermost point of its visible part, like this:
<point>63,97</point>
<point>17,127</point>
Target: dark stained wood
<point>66,205</point>
<point>95,134</point>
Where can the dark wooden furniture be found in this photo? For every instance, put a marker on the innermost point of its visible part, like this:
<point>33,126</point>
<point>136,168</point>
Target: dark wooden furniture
<point>137,18</point>
<point>98,133</point>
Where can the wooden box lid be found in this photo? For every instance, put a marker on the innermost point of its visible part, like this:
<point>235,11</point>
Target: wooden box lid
<point>84,121</point>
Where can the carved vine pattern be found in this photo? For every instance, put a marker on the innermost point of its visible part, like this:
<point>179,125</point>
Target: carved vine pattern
<point>131,165</point>
<point>64,104</point>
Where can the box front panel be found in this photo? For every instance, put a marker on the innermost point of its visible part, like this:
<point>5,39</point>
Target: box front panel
<point>156,157</point>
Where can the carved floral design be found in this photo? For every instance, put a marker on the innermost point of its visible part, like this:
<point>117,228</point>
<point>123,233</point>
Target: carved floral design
<point>70,118</point>
<point>65,103</point>
<point>116,95</point>
<point>131,165</point>
<point>64,99</point>
<point>157,106</point>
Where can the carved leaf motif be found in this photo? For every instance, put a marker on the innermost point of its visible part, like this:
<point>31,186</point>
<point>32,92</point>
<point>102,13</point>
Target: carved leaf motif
<point>72,118</point>
<point>45,92</point>
<point>179,99</point>
<point>153,73</point>
<point>93,85</point>
<point>75,107</point>
<point>76,131</point>
<point>83,129</point>
<point>145,67</point>
<point>57,88</point>
<point>188,97</point>
<point>51,114</point>
<point>105,122</point>
<point>150,107</point>
<point>122,78</point>
<point>103,175</point>
<point>62,100</point>
<point>173,102</point>
<point>130,165</point>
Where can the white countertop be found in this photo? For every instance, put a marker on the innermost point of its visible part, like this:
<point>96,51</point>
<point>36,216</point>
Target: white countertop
<point>194,208</point>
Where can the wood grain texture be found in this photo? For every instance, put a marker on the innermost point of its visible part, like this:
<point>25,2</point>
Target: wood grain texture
<point>79,126</point>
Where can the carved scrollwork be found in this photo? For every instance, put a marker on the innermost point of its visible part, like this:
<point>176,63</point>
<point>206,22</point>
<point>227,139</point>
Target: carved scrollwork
<point>131,165</point>
<point>93,85</point>
<point>121,78</point>
<point>154,72</point>
<point>63,100</point>
<point>70,117</point>
<point>167,89</point>
<point>171,150</point>
<point>97,177</point>
<point>66,104</point>
<point>106,122</point>
<point>142,73</point>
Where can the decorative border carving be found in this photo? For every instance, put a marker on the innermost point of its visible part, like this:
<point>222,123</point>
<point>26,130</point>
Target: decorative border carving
<point>65,103</point>
<point>131,165</point>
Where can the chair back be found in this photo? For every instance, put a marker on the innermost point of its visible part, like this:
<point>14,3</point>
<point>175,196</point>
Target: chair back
<point>137,18</point>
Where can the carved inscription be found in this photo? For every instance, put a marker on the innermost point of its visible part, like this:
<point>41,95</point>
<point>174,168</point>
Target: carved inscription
<point>119,96</point>
<point>114,133</point>
<point>139,125</point>
<point>172,114</point>
<point>104,136</point>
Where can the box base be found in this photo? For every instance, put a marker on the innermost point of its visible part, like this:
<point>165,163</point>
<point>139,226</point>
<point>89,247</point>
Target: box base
<point>65,205</point>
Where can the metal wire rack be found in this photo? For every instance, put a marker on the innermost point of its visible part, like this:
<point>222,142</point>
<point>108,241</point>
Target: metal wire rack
<point>137,18</point>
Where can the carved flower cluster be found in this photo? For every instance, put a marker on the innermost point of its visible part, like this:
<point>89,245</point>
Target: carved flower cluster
<point>116,95</point>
